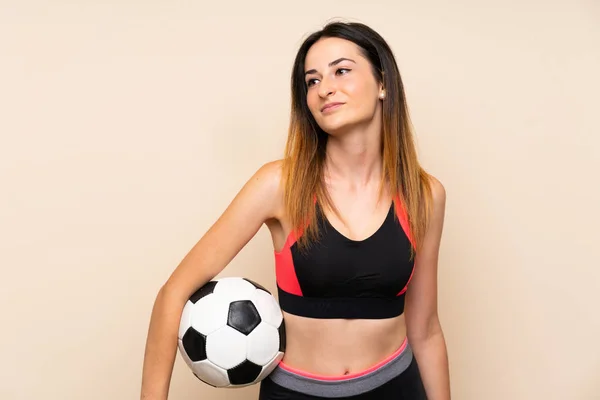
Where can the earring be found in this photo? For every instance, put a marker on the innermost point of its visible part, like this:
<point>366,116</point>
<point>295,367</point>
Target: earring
<point>382,95</point>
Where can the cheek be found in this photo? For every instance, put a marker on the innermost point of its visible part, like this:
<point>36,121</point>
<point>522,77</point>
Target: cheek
<point>363,101</point>
<point>312,101</point>
<point>352,87</point>
<point>359,90</point>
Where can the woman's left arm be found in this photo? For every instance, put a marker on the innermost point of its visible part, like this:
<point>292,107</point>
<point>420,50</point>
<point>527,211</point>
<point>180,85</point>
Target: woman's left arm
<point>423,326</point>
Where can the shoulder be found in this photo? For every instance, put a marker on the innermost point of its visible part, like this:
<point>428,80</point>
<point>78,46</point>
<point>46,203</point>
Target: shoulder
<point>438,201</point>
<point>267,180</point>
<point>268,177</point>
<point>438,192</point>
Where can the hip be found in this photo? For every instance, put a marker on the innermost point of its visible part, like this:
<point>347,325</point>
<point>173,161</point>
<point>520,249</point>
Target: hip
<point>395,377</point>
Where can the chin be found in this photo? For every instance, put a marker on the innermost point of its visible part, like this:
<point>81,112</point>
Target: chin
<point>338,127</point>
<point>333,129</point>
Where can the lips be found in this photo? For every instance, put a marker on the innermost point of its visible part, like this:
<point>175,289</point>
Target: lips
<point>330,106</point>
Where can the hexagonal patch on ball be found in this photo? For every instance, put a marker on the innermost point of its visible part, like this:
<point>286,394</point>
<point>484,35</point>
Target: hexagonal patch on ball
<point>268,308</point>
<point>210,373</point>
<point>243,316</point>
<point>244,374</point>
<point>257,285</point>
<point>234,289</point>
<point>263,344</point>
<point>226,347</point>
<point>209,314</point>
<point>194,344</point>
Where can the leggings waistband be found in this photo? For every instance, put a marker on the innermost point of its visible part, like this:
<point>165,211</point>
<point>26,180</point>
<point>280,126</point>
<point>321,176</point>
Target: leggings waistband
<point>347,385</point>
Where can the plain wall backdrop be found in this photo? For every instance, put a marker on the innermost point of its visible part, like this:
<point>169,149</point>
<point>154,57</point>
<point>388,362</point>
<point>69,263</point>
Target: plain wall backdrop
<point>127,127</point>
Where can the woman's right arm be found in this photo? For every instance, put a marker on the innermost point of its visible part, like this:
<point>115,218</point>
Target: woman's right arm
<point>257,202</point>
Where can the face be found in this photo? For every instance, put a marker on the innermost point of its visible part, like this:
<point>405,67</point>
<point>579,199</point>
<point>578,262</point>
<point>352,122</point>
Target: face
<point>342,91</point>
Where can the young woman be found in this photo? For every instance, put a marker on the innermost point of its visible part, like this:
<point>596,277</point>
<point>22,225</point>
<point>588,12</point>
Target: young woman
<point>356,224</point>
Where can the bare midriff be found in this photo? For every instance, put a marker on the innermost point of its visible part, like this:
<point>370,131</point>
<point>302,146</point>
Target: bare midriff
<point>338,347</point>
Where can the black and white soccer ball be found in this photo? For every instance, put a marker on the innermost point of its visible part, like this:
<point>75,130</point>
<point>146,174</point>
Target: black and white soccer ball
<point>232,333</point>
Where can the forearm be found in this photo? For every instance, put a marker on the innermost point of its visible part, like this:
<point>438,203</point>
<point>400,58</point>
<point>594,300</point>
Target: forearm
<point>432,358</point>
<point>160,349</point>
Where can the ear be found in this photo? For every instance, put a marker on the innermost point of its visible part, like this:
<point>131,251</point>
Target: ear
<point>382,92</point>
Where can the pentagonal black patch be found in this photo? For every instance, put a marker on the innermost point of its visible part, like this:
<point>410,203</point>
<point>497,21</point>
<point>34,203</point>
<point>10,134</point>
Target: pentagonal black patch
<point>282,338</point>
<point>256,285</point>
<point>203,291</point>
<point>244,373</point>
<point>243,316</point>
<point>194,344</point>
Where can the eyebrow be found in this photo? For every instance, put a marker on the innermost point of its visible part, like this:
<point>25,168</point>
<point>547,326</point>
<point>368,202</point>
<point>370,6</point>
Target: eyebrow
<point>331,64</point>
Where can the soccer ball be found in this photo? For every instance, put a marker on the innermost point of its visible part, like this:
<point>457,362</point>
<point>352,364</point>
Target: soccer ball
<point>231,333</point>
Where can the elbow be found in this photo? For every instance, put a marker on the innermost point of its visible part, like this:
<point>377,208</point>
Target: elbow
<point>169,297</point>
<point>425,331</point>
<point>169,291</point>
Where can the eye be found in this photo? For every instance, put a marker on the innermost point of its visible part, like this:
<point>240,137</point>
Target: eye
<point>342,71</point>
<point>311,82</point>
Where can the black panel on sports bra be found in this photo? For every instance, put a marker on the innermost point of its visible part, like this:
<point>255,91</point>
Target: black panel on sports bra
<point>343,278</point>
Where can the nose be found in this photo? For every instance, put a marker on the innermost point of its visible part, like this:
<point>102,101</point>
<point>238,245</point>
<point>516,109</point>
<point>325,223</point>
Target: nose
<point>326,88</point>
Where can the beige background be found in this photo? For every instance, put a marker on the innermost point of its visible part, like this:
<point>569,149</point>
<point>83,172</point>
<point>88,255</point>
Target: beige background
<point>128,126</point>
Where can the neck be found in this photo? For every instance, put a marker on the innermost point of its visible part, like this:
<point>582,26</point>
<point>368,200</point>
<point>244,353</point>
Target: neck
<point>354,157</point>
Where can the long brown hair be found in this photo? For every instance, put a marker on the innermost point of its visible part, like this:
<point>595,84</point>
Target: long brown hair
<point>304,157</point>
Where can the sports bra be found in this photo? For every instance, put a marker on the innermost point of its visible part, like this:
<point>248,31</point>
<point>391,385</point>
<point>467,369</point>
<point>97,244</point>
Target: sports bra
<point>337,277</point>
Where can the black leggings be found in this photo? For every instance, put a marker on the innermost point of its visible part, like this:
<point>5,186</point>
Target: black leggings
<point>405,386</point>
